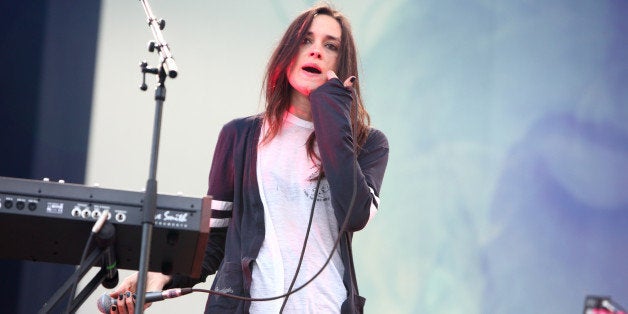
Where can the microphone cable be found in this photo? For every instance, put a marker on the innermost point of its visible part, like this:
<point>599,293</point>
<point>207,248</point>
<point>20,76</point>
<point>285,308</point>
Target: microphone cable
<point>342,230</point>
<point>95,230</point>
<point>340,233</point>
<point>307,234</point>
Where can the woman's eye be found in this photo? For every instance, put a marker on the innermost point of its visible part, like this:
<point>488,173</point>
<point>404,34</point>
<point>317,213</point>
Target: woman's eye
<point>331,47</point>
<point>307,41</point>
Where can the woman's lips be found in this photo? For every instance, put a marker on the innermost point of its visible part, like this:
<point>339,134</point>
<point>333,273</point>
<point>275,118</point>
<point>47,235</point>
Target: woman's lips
<point>311,68</point>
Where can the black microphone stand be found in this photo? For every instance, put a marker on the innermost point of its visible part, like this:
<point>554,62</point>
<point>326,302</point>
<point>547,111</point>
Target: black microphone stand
<point>167,68</point>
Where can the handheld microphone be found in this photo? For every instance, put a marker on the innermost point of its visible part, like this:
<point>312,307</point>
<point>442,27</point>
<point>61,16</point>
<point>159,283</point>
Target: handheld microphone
<point>105,301</point>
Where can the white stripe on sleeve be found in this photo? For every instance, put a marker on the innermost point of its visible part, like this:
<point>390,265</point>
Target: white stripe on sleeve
<point>221,214</point>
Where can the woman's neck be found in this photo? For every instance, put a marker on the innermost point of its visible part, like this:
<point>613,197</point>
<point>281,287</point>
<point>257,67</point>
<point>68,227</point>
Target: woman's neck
<point>300,106</point>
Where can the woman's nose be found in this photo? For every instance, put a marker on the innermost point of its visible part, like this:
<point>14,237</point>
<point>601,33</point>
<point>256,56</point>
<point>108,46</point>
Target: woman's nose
<point>315,53</point>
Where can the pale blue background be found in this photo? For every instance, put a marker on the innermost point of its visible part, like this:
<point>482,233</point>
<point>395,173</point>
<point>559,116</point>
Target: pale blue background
<point>507,185</point>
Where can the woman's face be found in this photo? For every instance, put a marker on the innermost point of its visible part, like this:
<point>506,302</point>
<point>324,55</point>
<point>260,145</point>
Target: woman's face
<point>318,53</point>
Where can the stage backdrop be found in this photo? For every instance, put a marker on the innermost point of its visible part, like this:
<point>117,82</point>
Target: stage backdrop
<point>506,185</point>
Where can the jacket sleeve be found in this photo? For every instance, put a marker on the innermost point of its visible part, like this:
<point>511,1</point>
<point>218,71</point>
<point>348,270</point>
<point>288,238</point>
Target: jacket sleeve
<point>332,125</point>
<point>221,186</point>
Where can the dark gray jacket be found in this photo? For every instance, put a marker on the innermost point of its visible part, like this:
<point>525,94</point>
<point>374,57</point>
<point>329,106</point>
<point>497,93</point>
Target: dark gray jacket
<point>232,179</point>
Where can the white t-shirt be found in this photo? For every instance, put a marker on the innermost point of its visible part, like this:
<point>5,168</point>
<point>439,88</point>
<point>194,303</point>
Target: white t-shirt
<point>287,182</point>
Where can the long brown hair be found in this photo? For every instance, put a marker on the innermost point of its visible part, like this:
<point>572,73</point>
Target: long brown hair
<point>277,87</point>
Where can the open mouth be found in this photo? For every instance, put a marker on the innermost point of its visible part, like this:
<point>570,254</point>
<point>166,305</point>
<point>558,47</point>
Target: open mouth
<point>311,69</point>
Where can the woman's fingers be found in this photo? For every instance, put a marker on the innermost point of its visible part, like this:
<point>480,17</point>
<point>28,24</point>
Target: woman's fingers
<point>347,83</point>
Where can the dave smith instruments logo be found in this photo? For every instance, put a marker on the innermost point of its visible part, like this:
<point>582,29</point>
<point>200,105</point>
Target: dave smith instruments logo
<point>172,219</point>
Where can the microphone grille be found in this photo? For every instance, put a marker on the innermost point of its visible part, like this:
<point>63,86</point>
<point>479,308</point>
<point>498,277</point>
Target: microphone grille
<point>104,303</point>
